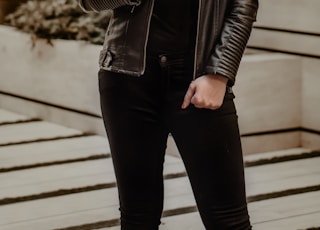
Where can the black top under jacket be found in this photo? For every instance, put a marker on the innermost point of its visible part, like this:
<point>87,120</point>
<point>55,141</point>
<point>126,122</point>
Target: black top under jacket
<point>173,26</point>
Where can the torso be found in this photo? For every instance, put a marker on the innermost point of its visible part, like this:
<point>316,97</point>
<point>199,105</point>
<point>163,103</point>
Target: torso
<point>173,26</point>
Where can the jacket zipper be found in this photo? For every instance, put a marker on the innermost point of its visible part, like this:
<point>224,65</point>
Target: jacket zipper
<point>132,9</point>
<point>146,39</point>
<point>216,11</point>
<point>196,46</point>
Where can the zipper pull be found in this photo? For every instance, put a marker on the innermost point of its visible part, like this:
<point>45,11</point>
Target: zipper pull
<point>132,9</point>
<point>134,4</point>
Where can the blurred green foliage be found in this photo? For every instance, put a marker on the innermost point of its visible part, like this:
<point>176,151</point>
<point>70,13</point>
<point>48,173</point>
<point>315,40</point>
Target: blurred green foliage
<point>63,19</point>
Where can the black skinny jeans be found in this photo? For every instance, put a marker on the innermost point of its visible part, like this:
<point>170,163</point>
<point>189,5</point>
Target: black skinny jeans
<point>139,113</point>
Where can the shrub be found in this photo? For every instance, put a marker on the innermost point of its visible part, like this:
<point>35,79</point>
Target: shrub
<point>63,19</point>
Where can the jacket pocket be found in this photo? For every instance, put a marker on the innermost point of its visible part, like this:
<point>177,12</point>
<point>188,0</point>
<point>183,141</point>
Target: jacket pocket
<point>105,58</point>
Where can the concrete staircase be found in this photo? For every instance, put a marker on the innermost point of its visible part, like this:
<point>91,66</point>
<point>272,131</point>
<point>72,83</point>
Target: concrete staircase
<point>53,177</point>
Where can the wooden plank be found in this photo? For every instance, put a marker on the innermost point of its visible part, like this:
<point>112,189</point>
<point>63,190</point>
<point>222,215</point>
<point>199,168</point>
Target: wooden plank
<point>50,151</point>
<point>33,131</point>
<point>7,116</point>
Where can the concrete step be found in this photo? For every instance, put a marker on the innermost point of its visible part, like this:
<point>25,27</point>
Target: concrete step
<point>291,212</point>
<point>34,131</point>
<point>10,117</point>
<point>300,211</point>
<point>40,180</point>
<point>42,183</point>
<point>52,151</point>
<point>261,180</point>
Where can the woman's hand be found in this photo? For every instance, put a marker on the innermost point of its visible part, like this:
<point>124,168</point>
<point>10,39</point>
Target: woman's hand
<point>206,91</point>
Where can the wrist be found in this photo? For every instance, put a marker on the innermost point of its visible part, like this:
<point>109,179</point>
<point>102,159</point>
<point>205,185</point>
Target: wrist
<point>219,77</point>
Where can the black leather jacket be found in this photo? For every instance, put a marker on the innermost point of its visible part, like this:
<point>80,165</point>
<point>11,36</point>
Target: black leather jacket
<point>224,27</point>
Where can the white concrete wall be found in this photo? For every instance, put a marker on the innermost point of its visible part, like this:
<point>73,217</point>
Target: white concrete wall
<point>293,26</point>
<point>294,15</point>
<point>56,83</point>
<point>65,78</point>
<point>311,102</point>
<point>64,74</point>
<point>268,98</point>
<point>268,93</point>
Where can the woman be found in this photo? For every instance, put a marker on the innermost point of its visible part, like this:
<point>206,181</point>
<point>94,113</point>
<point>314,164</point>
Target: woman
<point>168,67</point>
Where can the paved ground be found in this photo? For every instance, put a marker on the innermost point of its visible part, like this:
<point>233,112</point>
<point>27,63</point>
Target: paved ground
<point>53,177</point>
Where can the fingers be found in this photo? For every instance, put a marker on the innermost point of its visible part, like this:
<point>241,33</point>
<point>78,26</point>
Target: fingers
<point>205,92</point>
<point>188,96</point>
<point>206,105</point>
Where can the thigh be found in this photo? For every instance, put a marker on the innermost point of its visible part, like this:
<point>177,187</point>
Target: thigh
<point>130,108</point>
<point>209,143</point>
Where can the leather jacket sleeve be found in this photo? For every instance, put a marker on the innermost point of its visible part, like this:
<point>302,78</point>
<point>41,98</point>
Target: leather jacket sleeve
<point>101,5</point>
<point>226,55</point>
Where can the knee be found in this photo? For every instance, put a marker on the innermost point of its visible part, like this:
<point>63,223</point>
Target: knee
<point>226,218</point>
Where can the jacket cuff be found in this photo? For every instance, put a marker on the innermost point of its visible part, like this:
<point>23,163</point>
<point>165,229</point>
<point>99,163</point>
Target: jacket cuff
<point>223,72</point>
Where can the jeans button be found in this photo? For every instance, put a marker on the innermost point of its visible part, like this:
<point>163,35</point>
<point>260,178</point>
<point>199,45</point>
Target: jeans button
<point>163,59</point>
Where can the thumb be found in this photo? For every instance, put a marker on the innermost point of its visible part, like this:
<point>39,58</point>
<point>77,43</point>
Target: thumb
<point>188,96</point>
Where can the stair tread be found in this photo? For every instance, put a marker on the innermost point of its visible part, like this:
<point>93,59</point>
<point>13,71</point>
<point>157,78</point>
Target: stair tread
<point>273,154</point>
<point>33,131</point>
<point>260,179</point>
<point>278,214</point>
<point>64,176</point>
<point>97,205</point>
<point>92,208</point>
<point>7,117</point>
<point>50,151</point>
